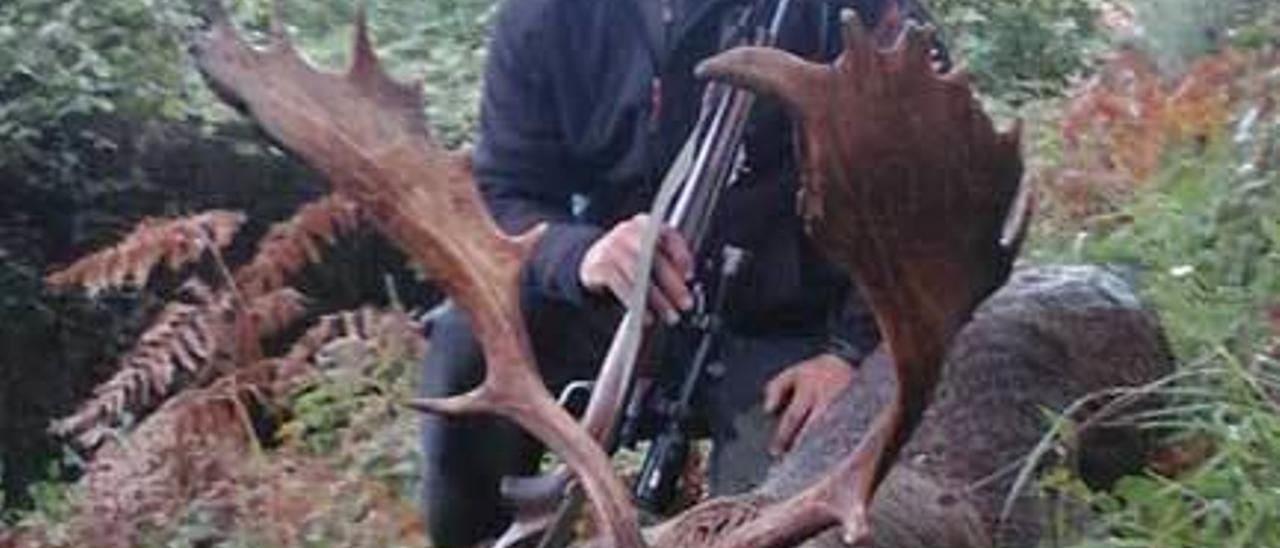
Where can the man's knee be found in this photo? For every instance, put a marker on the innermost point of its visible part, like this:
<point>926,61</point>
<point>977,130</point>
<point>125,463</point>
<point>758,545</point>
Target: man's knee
<point>454,362</point>
<point>458,516</point>
<point>740,428</point>
<point>459,490</point>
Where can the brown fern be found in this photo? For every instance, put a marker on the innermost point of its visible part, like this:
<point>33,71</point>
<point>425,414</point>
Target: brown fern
<point>191,453</point>
<point>218,327</point>
<point>193,446</point>
<point>187,344</point>
<point>154,241</point>
<point>185,338</point>
<point>297,242</point>
<point>273,312</point>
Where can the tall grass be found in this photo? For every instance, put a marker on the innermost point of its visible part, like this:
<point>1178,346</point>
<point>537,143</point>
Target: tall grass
<point>1202,238</point>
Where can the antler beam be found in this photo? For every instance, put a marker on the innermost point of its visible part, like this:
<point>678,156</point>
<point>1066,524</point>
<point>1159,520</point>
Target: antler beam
<point>907,185</point>
<point>365,132</point>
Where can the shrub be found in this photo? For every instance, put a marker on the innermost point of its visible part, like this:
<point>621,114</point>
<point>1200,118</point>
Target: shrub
<point>1203,236</point>
<point>1022,50</point>
<point>1177,32</point>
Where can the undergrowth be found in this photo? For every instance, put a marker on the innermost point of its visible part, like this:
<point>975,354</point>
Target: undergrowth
<point>1175,178</point>
<point>1200,233</point>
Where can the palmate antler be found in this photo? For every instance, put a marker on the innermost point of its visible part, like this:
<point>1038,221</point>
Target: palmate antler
<point>907,185</point>
<point>365,132</point>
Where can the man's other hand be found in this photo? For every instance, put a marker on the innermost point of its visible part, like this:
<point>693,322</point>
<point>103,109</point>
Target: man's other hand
<point>610,264</point>
<point>801,393</point>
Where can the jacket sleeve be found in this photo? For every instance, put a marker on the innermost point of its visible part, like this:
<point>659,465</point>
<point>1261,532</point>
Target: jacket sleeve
<point>522,160</point>
<point>852,331</point>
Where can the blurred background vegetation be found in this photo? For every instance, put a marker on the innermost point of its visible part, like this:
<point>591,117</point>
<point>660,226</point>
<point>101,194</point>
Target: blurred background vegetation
<point>1153,137</point>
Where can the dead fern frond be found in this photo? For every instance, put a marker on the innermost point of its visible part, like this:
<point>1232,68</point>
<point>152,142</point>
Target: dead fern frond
<point>191,453</point>
<point>297,242</point>
<point>154,241</point>
<point>187,342</point>
<point>213,327</point>
<point>195,440</point>
<point>184,340</point>
<point>273,312</point>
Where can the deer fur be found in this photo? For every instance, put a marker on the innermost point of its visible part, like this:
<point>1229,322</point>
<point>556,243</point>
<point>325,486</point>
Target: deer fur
<point>1050,337</point>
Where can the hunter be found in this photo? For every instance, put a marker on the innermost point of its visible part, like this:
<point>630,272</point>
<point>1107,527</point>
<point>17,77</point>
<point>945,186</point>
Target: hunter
<point>585,105</point>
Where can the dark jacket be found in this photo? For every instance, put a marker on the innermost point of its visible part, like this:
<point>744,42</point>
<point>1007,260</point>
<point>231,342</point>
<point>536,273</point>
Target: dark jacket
<point>585,105</point>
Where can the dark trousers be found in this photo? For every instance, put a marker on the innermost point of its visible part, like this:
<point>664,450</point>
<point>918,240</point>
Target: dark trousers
<point>466,458</point>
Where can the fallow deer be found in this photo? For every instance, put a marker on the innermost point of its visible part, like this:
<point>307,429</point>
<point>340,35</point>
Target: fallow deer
<point>906,184</point>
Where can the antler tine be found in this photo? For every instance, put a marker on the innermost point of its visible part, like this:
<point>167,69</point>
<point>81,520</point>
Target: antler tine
<point>770,71</point>
<point>278,30</point>
<point>366,133</point>
<point>854,34</point>
<point>906,184</point>
<point>914,45</point>
<point>364,61</point>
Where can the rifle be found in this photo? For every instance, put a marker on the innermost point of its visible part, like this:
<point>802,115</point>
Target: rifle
<point>717,139</point>
<point>686,200</point>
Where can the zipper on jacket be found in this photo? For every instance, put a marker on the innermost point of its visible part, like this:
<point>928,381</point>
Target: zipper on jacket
<point>668,18</point>
<point>655,104</point>
<point>668,14</point>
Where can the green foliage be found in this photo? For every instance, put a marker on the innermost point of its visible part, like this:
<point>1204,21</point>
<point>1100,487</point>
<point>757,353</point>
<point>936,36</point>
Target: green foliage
<point>81,58</point>
<point>1203,238</point>
<point>1174,32</point>
<point>52,506</point>
<point>77,58</point>
<point>350,414</point>
<point>1025,49</point>
<point>441,42</point>
<point>1206,241</point>
<point>1229,500</point>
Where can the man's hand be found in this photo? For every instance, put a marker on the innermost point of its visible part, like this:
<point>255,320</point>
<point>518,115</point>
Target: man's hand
<point>801,393</point>
<point>611,261</point>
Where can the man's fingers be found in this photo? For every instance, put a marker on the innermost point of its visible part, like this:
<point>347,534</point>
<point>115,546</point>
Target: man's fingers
<point>619,283</point>
<point>676,249</point>
<point>811,386</point>
<point>669,267</point>
<point>618,280</point>
<point>672,284</point>
<point>623,260</point>
<point>816,410</point>
<point>662,307</point>
<point>823,397</point>
<point>789,425</point>
<point>777,391</point>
